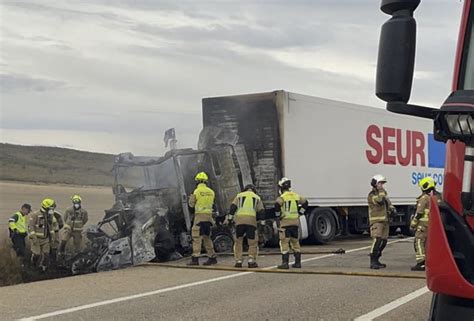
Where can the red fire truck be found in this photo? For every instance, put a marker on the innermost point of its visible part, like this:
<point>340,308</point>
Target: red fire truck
<point>450,248</point>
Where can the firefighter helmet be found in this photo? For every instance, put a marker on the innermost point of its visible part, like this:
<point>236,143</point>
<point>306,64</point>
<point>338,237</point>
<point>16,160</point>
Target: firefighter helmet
<point>201,177</point>
<point>76,199</point>
<point>48,203</point>
<point>378,179</point>
<point>427,184</point>
<point>284,183</point>
<point>250,187</point>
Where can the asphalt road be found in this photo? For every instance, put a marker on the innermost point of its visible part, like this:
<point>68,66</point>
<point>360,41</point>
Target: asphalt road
<point>161,293</point>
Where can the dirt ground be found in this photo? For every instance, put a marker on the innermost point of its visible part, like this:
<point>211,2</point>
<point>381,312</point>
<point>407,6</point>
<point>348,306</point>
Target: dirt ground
<point>14,194</point>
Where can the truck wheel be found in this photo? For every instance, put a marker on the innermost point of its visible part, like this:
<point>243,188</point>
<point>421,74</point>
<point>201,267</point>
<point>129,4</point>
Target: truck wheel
<point>322,225</point>
<point>223,242</point>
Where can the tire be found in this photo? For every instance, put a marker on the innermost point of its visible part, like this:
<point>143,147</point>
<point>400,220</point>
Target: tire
<point>323,225</point>
<point>444,307</point>
<point>223,242</point>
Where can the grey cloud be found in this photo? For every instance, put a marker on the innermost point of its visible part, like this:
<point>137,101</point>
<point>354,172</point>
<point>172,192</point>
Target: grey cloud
<point>15,82</point>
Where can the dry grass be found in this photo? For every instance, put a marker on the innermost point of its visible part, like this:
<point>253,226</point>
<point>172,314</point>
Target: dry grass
<point>10,266</point>
<point>54,165</point>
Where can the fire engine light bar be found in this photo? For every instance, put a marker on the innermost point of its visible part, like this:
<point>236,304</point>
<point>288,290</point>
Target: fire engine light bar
<point>460,124</point>
<point>455,125</point>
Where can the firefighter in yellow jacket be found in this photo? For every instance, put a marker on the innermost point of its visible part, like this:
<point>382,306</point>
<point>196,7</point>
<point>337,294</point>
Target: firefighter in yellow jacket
<point>245,207</point>
<point>75,218</point>
<point>421,219</point>
<point>18,228</point>
<point>41,225</point>
<point>380,210</point>
<point>288,207</point>
<point>202,201</point>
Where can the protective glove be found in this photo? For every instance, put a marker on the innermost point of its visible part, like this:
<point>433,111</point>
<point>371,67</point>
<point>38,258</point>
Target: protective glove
<point>301,210</point>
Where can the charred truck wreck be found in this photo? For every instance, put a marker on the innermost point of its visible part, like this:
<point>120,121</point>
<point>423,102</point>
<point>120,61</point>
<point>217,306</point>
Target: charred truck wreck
<point>251,139</point>
<point>151,220</point>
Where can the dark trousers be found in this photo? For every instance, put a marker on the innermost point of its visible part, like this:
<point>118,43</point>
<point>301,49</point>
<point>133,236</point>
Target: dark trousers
<point>19,246</point>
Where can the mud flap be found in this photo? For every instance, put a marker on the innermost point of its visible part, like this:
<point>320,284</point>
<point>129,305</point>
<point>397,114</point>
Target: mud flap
<point>303,229</point>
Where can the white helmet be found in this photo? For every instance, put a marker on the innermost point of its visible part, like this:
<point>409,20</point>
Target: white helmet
<point>284,183</point>
<point>378,179</point>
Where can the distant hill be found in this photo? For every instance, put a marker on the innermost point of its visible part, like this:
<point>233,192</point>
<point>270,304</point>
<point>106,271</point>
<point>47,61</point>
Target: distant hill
<point>54,165</point>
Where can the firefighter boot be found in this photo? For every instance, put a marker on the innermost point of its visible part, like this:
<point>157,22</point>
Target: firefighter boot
<point>194,261</point>
<point>374,262</point>
<point>382,247</point>
<point>420,266</point>
<point>285,258</point>
<point>252,264</point>
<point>297,263</point>
<point>211,261</point>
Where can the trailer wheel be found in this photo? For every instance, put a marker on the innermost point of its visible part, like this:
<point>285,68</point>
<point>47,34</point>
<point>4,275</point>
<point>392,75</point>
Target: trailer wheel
<point>322,225</point>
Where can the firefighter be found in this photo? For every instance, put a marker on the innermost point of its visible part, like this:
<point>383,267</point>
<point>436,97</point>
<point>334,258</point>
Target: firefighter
<point>75,218</point>
<point>18,228</point>
<point>421,219</point>
<point>41,233</point>
<point>202,202</point>
<point>288,207</point>
<point>380,209</point>
<point>245,207</point>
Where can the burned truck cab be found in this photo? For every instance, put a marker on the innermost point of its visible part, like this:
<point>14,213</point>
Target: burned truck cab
<point>159,188</point>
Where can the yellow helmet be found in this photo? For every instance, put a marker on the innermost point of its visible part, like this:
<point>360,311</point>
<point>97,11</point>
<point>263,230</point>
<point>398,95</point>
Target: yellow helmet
<point>48,203</point>
<point>76,199</point>
<point>427,183</point>
<point>201,177</point>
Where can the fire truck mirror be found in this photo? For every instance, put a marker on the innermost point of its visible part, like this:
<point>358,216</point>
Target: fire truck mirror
<point>396,56</point>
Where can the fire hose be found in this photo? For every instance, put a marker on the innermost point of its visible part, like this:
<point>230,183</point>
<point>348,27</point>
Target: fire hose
<point>413,275</point>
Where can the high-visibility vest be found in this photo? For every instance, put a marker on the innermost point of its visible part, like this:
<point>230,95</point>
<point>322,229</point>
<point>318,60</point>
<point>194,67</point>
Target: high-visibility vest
<point>204,199</point>
<point>247,204</point>
<point>20,225</point>
<point>289,209</point>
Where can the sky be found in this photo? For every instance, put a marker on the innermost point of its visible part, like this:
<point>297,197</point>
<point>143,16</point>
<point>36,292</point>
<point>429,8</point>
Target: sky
<point>112,76</point>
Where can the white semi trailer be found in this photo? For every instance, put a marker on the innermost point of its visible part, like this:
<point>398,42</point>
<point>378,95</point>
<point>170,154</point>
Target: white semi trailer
<point>330,150</point>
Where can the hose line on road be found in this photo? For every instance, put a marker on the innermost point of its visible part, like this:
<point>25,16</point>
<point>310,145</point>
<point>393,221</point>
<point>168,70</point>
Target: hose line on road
<point>414,275</point>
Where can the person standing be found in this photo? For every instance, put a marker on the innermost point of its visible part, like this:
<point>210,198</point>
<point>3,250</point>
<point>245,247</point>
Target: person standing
<point>245,207</point>
<point>420,221</point>
<point>18,229</point>
<point>202,201</point>
<point>380,208</point>
<point>41,233</point>
<point>288,207</point>
<point>75,218</point>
